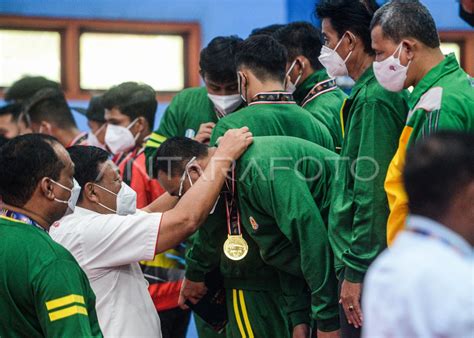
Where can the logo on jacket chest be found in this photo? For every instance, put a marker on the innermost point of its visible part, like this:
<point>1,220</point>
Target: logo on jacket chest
<point>253,223</point>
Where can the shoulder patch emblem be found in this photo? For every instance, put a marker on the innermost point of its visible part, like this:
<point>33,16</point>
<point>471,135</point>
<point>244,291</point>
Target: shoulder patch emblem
<point>254,223</point>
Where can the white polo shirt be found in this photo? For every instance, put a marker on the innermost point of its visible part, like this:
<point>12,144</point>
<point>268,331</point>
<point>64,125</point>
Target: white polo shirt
<point>423,286</point>
<point>108,248</point>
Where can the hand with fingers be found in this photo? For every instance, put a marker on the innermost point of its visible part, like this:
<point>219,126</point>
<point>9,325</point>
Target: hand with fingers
<point>204,132</point>
<point>192,291</point>
<point>234,143</point>
<point>350,301</point>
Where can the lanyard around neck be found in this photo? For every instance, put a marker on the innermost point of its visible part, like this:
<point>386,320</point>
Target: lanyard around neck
<point>19,217</point>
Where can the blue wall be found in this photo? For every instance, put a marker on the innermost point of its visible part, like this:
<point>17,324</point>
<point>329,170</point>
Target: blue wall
<point>445,12</point>
<point>217,17</point>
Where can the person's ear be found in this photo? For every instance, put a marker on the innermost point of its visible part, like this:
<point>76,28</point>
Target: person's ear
<point>46,188</point>
<point>243,79</point>
<point>351,41</point>
<point>301,63</point>
<point>409,48</point>
<point>195,171</point>
<point>140,124</point>
<point>89,193</point>
<point>45,128</point>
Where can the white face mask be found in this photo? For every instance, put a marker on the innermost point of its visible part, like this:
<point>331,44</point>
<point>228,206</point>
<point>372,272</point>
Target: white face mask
<point>181,183</point>
<point>332,61</point>
<point>92,139</point>
<point>75,192</point>
<point>290,86</point>
<point>126,200</point>
<point>120,139</point>
<point>225,104</point>
<point>390,73</point>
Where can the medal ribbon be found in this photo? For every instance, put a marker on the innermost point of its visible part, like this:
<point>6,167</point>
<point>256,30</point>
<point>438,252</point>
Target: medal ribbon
<point>318,89</point>
<point>273,98</point>
<point>18,217</point>
<point>232,211</point>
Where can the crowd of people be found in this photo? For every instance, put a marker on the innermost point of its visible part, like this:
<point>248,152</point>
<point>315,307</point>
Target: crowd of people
<point>269,202</point>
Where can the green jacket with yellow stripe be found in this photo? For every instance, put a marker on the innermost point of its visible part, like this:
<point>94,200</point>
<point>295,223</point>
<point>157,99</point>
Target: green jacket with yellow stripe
<point>442,100</point>
<point>43,290</point>
<point>324,106</point>
<point>206,251</point>
<point>373,119</point>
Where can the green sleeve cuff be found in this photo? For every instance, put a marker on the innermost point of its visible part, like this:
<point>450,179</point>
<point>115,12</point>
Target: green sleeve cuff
<point>353,276</point>
<point>300,317</point>
<point>195,276</point>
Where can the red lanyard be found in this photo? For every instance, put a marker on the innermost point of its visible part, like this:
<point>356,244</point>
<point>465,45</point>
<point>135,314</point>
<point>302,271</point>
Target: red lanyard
<point>232,210</point>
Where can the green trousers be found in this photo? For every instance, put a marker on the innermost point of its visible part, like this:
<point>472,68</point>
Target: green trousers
<point>204,330</point>
<point>257,314</point>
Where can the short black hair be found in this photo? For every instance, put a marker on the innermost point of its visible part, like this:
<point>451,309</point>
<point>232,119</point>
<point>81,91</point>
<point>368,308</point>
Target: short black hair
<point>436,169</point>
<point>3,140</point>
<point>267,30</point>
<point>217,61</point>
<point>25,160</point>
<point>49,104</point>
<point>87,160</point>
<point>13,109</point>
<point>132,99</point>
<point>350,15</point>
<point>301,38</point>
<point>174,153</point>
<point>26,87</point>
<point>96,111</point>
<point>264,56</point>
<point>401,19</point>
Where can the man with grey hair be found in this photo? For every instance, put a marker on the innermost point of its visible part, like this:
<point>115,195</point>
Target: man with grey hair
<point>408,53</point>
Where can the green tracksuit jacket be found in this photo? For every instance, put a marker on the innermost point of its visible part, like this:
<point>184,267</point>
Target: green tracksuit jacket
<point>276,119</point>
<point>325,107</point>
<point>284,196</point>
<point>43,290</point>
<point>373,119</point>
<point>186,112</point>
<point>443,99</point>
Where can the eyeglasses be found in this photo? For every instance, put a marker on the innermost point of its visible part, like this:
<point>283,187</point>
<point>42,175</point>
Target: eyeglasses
<point>183,177</point>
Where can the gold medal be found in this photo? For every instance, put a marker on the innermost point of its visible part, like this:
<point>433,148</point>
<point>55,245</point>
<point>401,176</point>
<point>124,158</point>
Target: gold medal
<point>235,247</point>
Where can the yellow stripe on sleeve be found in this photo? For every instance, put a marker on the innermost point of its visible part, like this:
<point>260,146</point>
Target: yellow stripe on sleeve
<point>245,314</point>
<point>341,113</point>
<point>67,312</point>
<point>55,303</point>
<point>237,315</point>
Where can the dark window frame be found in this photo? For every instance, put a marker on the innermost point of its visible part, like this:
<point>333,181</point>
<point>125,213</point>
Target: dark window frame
<point>71,29</point>
<point>465,39</point>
